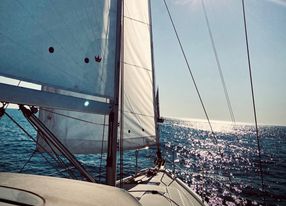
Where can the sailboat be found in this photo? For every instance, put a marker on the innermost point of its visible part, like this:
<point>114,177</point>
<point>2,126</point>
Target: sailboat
<point>94,63</point>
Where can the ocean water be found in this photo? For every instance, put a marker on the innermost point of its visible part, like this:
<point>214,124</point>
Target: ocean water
<point>223,172</point>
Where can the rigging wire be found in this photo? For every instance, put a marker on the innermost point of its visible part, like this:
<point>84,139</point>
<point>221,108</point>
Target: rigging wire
<point>219,68</point>
<point>253,100</point>
<point>48,135</point>
<point>196,87</point>
<point>218,63</point>
<point>75,118</point>
<point>30,136</point>
<point>101,150</point>
<point>122,100</point>
<point>34,152</point>
<point>58,159</point>
<point>190,71</point>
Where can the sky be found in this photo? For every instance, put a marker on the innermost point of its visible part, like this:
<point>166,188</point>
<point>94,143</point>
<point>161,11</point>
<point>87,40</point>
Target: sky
<point>266,20</point>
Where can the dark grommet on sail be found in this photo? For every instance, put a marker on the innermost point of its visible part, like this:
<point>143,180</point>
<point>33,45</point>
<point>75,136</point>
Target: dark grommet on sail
<point>86,60</point>
<point>129,131</point>
<point>51,49</point>
<point>97,58</point>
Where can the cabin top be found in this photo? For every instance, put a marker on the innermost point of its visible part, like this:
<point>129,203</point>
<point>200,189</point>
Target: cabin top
<point>37,190</point>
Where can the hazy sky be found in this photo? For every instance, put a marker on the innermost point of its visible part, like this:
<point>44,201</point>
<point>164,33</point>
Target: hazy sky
<point>267,40</point>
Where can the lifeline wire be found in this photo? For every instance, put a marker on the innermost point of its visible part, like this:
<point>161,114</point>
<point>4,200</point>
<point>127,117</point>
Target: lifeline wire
<point>253,101</point>
<point>13,120</point>
<point>190,71</point>
<point>218,64</point>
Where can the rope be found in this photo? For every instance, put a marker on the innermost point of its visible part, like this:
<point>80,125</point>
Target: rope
<point>190,71</point>
<point>21,170</point>
<point>56,143</point>
<point>218,64</point>
<point>58,159</point>
<point>253,101</point>
<point>30,136</point>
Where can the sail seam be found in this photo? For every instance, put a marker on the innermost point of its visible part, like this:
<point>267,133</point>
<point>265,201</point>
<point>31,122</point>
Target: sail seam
<point>139,137</point>
<point>142,22</point>
<point>132,110</point>
<point>71,117</point>
<point>140,67</point>
<point>145,115</point>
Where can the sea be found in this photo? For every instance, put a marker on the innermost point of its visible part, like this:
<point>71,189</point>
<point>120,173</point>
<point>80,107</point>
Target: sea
<point>222,168</point>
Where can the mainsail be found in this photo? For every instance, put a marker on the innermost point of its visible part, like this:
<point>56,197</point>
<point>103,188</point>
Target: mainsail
<point>69,47</point>
<point>138,109</point>
<point>55,43</point>
<point>81,133</point>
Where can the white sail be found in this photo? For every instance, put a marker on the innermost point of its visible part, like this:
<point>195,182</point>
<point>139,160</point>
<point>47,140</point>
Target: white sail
<point>57,43</point>
<point>139,126</point>
<point>81,133</point>
<point>138,109</point>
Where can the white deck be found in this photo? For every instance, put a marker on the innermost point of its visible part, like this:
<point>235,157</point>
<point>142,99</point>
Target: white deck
<point>162,190</point>
<point>158,189</point>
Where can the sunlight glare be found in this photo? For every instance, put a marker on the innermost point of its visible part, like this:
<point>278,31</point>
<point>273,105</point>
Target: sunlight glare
<point>86,103</point>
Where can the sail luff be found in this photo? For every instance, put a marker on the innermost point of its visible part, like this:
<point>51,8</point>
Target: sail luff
<point>121,135</point>
<point>154,82</point>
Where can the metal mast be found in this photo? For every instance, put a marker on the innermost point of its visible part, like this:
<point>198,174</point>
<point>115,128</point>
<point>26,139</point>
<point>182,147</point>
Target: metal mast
<point>113,116</point>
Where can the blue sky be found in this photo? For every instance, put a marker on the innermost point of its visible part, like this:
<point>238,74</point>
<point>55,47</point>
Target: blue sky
<point>267,40</point>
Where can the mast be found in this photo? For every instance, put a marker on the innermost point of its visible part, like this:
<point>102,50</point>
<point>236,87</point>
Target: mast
<point>113,116</point>
<point>121,100</point>
<point>154,85</point>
